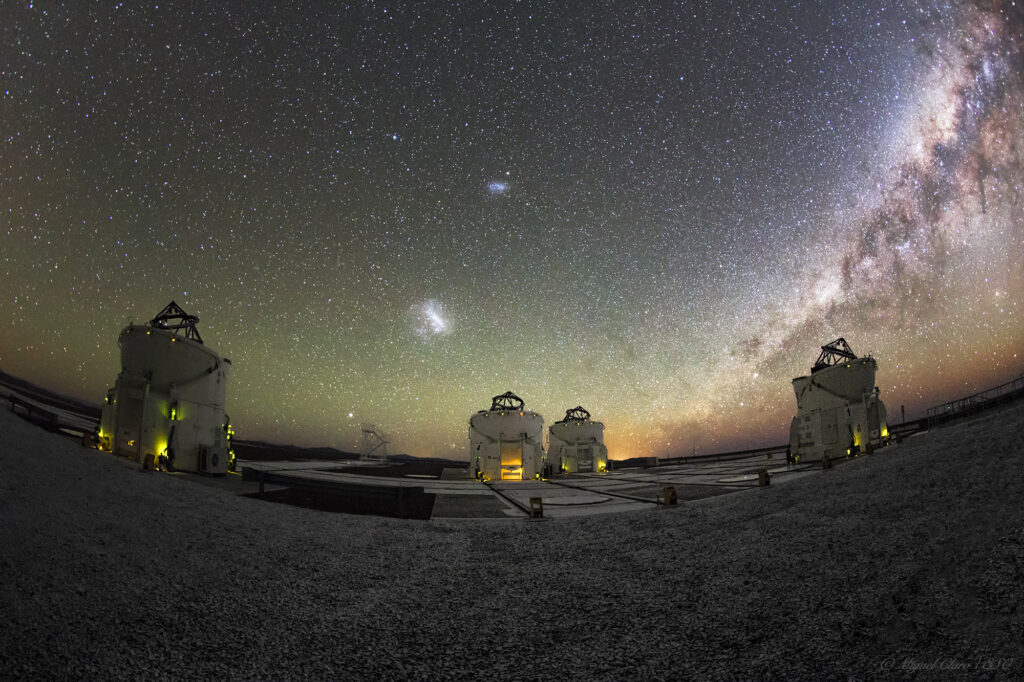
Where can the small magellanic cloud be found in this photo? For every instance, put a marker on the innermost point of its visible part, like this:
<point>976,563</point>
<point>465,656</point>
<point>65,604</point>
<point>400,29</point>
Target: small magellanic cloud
<point>497,187</point>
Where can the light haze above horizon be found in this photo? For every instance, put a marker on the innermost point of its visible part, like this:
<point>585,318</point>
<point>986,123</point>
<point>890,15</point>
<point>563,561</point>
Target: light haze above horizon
<point>389,213</point>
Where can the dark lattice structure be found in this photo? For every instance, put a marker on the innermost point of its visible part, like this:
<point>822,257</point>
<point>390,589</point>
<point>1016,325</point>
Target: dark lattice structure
<point>177,320</point>
<point>834,353</point>
<point>576,414</point>
<point>507,401</point>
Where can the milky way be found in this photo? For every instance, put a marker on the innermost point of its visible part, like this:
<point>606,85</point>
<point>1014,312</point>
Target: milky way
<point>389,214</point>
<point>923,219</point>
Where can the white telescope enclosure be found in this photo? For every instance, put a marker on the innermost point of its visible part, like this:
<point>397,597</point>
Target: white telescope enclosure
<point>839,411</point>
<point>576,443</point>
<point>167,404</point>
<point>505,441</point>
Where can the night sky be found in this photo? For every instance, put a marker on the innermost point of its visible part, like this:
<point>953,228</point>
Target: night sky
<point>389,212</point>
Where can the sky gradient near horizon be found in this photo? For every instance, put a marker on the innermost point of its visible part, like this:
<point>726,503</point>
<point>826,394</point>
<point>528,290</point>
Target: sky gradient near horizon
<point>388,213</point>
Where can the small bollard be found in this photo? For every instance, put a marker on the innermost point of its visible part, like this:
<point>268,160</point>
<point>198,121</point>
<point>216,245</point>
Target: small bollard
<point>536,507</point>
<point>826,462</point>
<point>763,478</point>
<point>149,462</point>
<point>668,495</point>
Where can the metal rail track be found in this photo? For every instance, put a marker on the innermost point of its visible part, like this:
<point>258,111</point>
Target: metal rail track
<point>606,492</point>
<point>516,503</point>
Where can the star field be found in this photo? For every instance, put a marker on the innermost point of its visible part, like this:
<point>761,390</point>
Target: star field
<point>390,213</point>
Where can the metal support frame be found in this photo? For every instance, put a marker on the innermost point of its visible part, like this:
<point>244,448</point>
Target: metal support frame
<point>374,445</point>
<point>834,353</point>
<point>507,401</point>
<point>172,317</point>
<point>576,414</point>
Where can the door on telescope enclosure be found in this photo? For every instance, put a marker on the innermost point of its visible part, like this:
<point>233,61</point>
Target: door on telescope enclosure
<point>585,460</point>
<point>874,422</point>
<point>829,434</point>
<point>512,461</point>
<point>128,420</point>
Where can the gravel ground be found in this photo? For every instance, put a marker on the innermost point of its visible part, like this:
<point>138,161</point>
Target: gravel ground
<point>905,563</point>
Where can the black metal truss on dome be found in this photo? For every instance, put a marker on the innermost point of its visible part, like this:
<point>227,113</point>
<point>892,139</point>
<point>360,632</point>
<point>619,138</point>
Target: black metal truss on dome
<point>507,401</point>
<point>172,317</point>
<point>576,414</point>
<point>834,353</point>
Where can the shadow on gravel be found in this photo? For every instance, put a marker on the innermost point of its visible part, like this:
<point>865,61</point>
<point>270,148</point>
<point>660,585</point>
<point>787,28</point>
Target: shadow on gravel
<point>408,503</point>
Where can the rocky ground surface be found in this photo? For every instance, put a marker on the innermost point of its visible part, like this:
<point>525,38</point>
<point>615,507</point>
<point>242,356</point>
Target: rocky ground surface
<point>905,563</point>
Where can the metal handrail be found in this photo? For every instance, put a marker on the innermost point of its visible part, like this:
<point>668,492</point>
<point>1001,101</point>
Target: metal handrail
<point>974,402</point>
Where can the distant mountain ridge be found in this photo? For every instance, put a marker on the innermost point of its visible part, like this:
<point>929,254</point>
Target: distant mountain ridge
<point>51,398</point>
<point>256,450</point>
